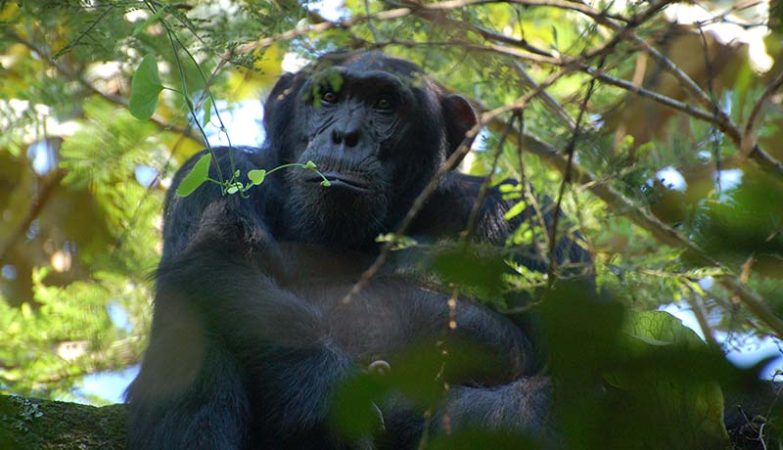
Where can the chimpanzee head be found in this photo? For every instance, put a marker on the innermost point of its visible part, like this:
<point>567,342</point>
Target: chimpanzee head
<point>377,127</point>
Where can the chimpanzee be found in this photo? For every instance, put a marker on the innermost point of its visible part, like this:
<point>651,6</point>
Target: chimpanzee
<point>250,335</point>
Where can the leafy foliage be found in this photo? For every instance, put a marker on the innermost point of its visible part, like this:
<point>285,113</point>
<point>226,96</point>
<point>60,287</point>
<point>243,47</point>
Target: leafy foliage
<point>85,112</point>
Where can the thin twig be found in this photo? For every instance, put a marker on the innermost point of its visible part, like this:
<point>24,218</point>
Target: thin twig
<point>116,99</point>
<point>36,206</point>
<point>695,301</point>
<point>465,235</point>
<point>570,150</point>
<point>662,232</point>
<point>748,141</point>
<point>622,32</point>
<point>724,123</point>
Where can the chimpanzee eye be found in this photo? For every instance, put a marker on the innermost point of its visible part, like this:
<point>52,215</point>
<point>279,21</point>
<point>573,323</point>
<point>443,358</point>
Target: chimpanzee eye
<point>329,97</point>
<point>384,104</point>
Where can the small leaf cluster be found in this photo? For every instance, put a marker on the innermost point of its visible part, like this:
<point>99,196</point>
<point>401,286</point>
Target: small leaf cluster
<point>199,175</point>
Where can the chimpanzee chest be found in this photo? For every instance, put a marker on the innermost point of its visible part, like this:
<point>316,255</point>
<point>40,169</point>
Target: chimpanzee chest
<point>369,325</point>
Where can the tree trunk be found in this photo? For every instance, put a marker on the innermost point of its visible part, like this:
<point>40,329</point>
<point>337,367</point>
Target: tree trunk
<point>31,424</point>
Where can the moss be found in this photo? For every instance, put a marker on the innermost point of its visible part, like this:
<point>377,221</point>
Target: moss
<point>31,424</point>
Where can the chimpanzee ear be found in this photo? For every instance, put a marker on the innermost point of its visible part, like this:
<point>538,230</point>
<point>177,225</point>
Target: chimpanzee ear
<point>281,89</point>
<point>278,106</point>
<point>459,117</point>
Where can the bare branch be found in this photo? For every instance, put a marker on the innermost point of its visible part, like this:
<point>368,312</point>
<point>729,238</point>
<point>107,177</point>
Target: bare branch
<point>316,28</point>
<point>36,206</point>
<point>662,232</point>
<point>719,118</point>
<point>570,151</point>
<point>723,121</point>
<point>748,141</point>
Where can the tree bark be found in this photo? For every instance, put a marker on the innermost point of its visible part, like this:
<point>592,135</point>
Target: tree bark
<point>32,424</point>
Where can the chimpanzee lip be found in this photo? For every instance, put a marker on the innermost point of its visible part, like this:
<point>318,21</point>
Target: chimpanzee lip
<point>343,180</point>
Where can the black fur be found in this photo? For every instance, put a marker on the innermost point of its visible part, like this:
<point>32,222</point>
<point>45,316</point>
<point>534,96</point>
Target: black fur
<point>250,338</point>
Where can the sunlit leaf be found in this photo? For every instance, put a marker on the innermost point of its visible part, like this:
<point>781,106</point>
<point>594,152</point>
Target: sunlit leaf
<point>145,89</point>
<point>196,177</point>
<point>207,111</point>
<point>515,210</point>
<point>257,176</point>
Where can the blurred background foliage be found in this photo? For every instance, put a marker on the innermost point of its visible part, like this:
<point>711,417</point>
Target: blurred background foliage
<point>82,181</point>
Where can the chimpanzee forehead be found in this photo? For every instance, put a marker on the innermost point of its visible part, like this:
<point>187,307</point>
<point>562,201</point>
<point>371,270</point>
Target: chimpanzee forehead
<point>373,61</point>
<point>376,67</point>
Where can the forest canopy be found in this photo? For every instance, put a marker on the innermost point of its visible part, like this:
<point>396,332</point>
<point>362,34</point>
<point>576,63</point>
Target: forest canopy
<point>654,127</point>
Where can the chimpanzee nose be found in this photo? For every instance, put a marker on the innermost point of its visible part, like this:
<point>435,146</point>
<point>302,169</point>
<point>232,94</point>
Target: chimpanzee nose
<point>348,137</point>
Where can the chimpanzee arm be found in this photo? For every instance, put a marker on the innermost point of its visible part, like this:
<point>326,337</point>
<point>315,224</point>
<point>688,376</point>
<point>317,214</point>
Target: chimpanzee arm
<point>260,343</point>
<point>226,336</point>
<point>502,344</point>
<point>447,213</point>
<point>190,391</point>
<point>280,340</point>
<point>220,260</point>
<point>524,404</point>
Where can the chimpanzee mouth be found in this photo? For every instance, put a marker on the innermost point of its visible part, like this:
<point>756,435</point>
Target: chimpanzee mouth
<point>341,180</point>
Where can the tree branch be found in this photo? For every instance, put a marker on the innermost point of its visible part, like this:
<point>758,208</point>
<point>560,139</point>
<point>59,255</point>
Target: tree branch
<point>36,206</point>
<point>662,232</point>
<point>33,424</point>
<point>748,142</point>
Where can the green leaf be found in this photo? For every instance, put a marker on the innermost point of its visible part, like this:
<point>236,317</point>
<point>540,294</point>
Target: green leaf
<point>475,268</point>
<point>505,188</point>
<point>310,165</point>
<point>257,176</point>
<point>326,183</point>
<point>663,346</point>
<point>515,210</point>
<point>196,177</point>
<point>354,411</point>
<point>145,89</point>
<point>207,111</point>
<point>470,438</point>
<point>399,241</point>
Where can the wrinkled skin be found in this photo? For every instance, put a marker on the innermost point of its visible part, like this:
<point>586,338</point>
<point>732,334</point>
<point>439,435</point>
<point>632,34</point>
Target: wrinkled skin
<point>250,338</point>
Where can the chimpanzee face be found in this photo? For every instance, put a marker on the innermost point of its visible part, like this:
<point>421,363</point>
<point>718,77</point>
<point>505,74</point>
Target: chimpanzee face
<point>376,128</point>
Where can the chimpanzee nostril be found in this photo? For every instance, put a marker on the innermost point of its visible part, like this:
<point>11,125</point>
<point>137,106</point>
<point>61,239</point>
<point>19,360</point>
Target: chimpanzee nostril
<point>351,139</point>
